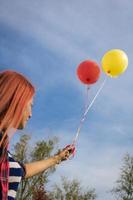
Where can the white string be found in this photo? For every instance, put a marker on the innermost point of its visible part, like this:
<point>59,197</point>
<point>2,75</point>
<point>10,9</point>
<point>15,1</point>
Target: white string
<point>87,96</point>
<point>86,111</point>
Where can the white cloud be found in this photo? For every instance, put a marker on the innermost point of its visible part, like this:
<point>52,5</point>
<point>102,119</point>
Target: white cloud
<point>70,28</point>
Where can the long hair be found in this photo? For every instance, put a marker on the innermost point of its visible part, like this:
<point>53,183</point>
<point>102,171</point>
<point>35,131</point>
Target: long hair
<point>15,92</point>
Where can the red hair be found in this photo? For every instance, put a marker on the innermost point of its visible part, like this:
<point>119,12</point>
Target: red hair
<point>15,92</point>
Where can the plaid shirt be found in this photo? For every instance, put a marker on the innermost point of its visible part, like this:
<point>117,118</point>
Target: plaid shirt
<point>4,172</point>
<point>4,175</point>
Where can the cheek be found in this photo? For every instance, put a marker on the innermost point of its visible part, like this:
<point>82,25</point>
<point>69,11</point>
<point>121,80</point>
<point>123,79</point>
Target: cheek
<point>22,120</point>
<point>24,117</point>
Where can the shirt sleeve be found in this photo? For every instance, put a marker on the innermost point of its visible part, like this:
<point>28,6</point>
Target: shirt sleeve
<point>21,165</point>
<point>23,169</point>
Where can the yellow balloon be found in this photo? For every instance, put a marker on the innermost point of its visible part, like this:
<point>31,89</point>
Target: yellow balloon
<point>114,62</point>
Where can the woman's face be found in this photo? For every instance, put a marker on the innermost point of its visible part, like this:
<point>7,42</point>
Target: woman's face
<point>26,114</point>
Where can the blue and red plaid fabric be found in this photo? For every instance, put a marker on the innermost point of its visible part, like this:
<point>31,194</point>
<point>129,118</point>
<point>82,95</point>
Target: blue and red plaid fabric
<point>4,170</point>
<point>4,175</point>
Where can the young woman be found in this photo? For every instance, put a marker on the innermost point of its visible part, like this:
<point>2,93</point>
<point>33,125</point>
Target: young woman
<point>16,100</point>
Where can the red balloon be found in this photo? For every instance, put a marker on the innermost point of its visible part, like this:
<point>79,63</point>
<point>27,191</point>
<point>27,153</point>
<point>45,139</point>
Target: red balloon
<point>88,72</point>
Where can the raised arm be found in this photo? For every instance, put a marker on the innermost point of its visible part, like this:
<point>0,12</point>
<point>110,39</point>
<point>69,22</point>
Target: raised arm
<point>39,166</point>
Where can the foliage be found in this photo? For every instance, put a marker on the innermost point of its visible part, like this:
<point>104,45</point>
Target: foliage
<point>34,188</point>
<point>71,190</point>
<point>30,187</point>
<point>124,185</point>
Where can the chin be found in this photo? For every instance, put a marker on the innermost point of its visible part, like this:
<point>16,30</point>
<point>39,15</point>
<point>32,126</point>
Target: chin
<point>21,126</point>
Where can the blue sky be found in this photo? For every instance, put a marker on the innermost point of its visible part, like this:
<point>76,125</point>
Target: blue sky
<point>46,40</point>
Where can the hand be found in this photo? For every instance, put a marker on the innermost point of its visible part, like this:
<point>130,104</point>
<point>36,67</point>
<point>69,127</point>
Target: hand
<point>64,154</point>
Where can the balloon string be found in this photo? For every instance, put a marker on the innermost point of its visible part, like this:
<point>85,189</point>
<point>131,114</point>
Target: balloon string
<point>86,111</point>
<point>87,96</point>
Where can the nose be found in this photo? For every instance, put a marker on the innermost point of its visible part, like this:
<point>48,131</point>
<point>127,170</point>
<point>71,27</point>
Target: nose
<point>30,115</point>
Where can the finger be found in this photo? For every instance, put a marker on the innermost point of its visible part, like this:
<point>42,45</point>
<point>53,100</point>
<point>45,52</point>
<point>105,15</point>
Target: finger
<point>66,157</point>
<point>70,149</point>
<point>68,154</point>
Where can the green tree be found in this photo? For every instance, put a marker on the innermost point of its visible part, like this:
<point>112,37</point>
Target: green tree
<point>32,187</point>
<point>124,185</point>
<point>71,190</point>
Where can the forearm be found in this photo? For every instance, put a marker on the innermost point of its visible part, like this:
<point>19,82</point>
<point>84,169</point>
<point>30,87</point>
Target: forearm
<point>40,166</point>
